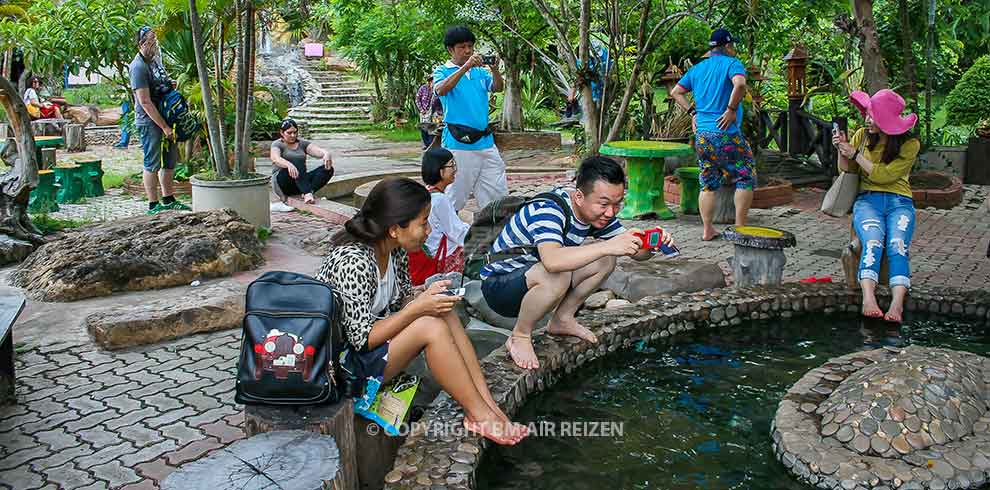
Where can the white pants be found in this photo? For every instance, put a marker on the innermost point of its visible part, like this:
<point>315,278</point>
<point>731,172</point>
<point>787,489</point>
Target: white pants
<point>479,172</point>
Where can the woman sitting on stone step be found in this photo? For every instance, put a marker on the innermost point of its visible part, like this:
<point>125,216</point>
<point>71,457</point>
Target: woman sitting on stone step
<point>289,174</point>
<point>386,325</point>
<point>882,153</point>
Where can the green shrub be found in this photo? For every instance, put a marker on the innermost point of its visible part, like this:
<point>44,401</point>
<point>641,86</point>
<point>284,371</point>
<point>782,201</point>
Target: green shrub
<point>113,181</point>
<point>969,101</point>
<point>101,94</point>
<point>48,225</point>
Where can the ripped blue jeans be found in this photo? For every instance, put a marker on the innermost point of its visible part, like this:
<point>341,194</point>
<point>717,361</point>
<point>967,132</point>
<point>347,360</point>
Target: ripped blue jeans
<point>884,222</point>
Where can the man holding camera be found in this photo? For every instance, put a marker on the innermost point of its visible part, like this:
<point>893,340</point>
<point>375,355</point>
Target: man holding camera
<point>161,153</point>
<point>464,87</point>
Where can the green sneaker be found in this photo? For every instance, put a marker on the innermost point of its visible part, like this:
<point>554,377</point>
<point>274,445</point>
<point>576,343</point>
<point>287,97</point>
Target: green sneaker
<point>157,209</point>
<point>177,205</point>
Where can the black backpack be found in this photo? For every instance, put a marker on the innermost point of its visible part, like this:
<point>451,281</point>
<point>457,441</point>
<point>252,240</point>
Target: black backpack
<point>488,225</point>
<point>290,342</point>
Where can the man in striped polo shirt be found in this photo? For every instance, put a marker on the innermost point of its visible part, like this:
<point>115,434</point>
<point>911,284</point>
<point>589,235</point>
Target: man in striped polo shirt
<point>566,271</point>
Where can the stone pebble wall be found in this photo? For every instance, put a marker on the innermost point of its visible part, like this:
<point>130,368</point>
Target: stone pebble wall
<point>433,454</point>
<point>104,136</point>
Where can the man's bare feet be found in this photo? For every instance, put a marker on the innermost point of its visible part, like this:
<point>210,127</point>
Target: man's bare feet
<point>870,308</point>
<point>496,430</point>
<point>521,351</point>
<point>309,199</point>
<point>571,327</point>
<point>894,314</point>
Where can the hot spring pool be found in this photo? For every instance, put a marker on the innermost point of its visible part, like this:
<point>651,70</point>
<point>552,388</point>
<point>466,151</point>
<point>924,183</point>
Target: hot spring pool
<point>695,411</point>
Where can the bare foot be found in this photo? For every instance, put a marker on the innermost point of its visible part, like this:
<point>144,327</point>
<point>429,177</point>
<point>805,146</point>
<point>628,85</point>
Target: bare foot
<point>870,309</point>
<point>709,234</point>
<point>894,314</point>
<point>495,430</point>
<point>505,418</point>
<point>571,327</point>
<point>520,348</point>
<point>309,199</point>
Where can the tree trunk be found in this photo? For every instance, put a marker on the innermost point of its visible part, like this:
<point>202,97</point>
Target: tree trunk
<point>246,90</point>
<point>241,83</point>
<point>8,59</point>
<point>512,104</point>
<point>907,43</point>
<point>217,151</point>
<point>15,185</point>
<point>592,128</point>
<point>219,76</point>
<point>874,67</point>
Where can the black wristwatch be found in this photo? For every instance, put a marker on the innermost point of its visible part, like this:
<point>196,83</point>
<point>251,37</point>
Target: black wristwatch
<point>692,111</point>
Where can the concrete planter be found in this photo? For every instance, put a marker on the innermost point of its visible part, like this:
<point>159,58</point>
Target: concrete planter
<point>949,159</point>
<point>778,194</point>
<point>944,197</point>
<point>248,197</point>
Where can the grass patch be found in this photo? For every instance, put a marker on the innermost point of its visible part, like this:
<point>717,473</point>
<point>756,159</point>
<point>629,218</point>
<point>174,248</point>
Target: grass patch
<point>102,95</point>
<point>401,134</point>
<point>263,233</point>
<point>49,225</point>
<point>113,181</point>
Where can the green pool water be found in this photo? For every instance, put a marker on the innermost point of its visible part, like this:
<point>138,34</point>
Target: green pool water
<point>695,411</point>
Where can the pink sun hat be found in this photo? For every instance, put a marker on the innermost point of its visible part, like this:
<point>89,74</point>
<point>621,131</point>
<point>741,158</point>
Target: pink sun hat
<point>885,108</point>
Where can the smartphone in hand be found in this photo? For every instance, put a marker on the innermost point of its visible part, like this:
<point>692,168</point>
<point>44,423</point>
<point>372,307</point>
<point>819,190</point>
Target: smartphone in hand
<point>453,292</point>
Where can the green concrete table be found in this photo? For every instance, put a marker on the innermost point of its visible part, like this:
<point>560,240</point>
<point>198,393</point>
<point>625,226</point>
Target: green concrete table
<point>39,143</point>
<point>645,170</point>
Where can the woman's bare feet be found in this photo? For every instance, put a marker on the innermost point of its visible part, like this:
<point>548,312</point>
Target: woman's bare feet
<point>571,327</point>
<point>870,308</point>
<point>895,313</point>
<point>521,351</point>
<point>496,430</point>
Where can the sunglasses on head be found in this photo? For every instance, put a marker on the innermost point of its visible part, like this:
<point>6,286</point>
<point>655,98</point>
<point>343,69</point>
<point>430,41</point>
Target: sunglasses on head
<point>288,123</point>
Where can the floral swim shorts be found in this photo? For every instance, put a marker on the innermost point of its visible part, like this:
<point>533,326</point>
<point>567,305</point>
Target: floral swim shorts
<point>724,156</point>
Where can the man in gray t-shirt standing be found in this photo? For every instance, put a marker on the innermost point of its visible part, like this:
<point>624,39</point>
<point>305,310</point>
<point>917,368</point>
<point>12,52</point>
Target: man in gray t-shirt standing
<point>161,153</point>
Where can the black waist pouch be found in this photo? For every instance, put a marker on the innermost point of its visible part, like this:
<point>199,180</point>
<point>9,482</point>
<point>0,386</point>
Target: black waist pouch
<point>467,134</point>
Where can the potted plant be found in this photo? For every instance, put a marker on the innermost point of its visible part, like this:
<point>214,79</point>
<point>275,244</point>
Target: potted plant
<point>968,104</point>
<point>231,183</point>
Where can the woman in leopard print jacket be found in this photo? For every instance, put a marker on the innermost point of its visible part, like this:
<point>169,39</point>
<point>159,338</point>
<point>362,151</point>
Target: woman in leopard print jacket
<point>386,326</point>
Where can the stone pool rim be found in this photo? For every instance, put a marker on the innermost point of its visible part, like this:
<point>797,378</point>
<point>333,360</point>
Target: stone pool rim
<point>427,458</point>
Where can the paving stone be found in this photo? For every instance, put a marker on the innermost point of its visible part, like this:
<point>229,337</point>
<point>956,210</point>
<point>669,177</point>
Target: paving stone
<point>123,403</point>
<point>149,453</point>
<point>68,476</point>
<point>192,451</point>
<point>210,415</point>
<point>131,418</point>
<point>23,457</point>
<point>86,405</point>
<point>91,420</point>
<point>180,376</point>
<point>103,455</point>
<point>199,401</point>
<point>17,421</point>
<point>57,439</point>
<point>142,485</point>
<point>21,478</point>
<point>162,402</point>
<point>115,390</point>
<point>169,417</point>
<point>189,387</point>
<point>155,470</point>
<point>62,457</point>
<point>132,369</point>
<point>181,433</point>
<point>223,431</point>
<point>140,435</point>
<point>115,474</point>
<point>99,437</point>
<point>88,387</point>
<point>152,389</point>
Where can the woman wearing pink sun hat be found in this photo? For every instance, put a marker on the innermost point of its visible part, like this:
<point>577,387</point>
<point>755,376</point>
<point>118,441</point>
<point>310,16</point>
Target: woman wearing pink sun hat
<point>882,153</point>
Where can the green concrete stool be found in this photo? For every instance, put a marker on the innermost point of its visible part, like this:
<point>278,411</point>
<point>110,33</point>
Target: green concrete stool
<point>644,170</point>
<point>69,178</point>
<point>43,198</point>
<point>92,177</point>
<point>690,188</point>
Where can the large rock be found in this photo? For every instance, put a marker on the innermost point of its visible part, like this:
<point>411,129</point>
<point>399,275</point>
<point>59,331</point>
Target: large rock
<point>219,306</point>
<point>108,117</point>
<point>140,253</point>
<point>80,114</point>
<point>636,280</point>
<point>13,250</point>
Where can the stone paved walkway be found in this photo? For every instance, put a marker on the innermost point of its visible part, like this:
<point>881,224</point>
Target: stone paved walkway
<point>92,419</point>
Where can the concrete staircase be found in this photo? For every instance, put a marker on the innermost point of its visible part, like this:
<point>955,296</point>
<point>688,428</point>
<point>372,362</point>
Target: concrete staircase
<point>343,103</point>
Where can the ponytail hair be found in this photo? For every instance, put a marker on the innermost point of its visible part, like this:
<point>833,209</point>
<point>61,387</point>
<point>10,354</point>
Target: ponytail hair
<point>393,201</point>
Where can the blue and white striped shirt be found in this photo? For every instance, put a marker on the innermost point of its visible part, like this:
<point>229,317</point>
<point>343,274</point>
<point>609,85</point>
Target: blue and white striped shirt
<point>543,222</point>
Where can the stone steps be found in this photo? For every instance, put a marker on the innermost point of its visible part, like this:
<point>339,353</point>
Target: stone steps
<point>313,119</point>
<point>317,110</point>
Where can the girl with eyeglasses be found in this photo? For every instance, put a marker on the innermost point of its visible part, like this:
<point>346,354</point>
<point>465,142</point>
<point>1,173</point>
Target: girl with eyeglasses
<point>444,248</point>
<point>290,177</point>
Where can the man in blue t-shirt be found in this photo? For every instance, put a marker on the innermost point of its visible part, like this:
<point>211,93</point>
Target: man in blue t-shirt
<point>464,88</point>
<point>565,270</point>
<point>719,84</point>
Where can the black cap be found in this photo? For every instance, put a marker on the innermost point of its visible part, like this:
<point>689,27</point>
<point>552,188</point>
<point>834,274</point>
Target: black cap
<point>721,37</point>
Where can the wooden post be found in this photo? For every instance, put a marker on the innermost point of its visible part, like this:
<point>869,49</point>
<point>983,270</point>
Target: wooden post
<point>335,420</point>
<point>752,265</point>
<point>725,205</point>
<point>378,451</point>
<point>75,137</point>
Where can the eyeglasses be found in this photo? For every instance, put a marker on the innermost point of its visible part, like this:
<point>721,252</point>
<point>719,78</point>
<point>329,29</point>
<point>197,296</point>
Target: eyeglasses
<point>451,164</point>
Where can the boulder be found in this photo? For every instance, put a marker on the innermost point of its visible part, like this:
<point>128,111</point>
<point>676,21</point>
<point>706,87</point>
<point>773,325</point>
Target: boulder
<point>13,250</point>
<point>140,253</point>
<point>80,114</point>
<point>599,299</point>
<point>218,306</point>
<point>108,117</point>
<point>634,281</point>
<point>616,303</point>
